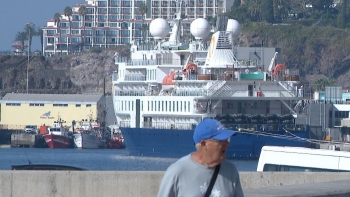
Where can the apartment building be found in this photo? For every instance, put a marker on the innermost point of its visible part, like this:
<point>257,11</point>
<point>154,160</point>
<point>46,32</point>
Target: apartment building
<point>109,23</point>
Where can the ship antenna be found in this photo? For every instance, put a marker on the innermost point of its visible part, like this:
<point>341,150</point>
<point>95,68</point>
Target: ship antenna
<point>27,157</point>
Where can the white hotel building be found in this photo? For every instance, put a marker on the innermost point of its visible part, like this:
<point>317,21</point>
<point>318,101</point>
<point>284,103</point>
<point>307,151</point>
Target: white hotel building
<point>115,22</point>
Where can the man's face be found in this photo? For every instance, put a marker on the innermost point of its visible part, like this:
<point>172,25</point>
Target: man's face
<point>216,149</point>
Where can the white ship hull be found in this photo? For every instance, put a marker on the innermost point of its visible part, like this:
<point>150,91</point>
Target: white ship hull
<point>87,141</point>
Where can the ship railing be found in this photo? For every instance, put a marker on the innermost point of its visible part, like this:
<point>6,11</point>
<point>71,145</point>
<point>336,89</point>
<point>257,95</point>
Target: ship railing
<point>168,125</point>
<point>129,92</point>
<point>124,124</point>
<point>143,62</point>
<point>261,93</point>
<point>230,93</point>
<point>134,77</point>
<point>137,62</point>
<point>189,92</point>
<point>266,127</point>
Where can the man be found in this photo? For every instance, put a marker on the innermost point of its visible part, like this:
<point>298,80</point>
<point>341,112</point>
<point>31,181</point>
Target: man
<point>190,176</point>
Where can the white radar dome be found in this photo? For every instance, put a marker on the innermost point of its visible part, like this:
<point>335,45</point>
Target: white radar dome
<point>234,26</point>
<point>159,28</point>
<point>200,28</point>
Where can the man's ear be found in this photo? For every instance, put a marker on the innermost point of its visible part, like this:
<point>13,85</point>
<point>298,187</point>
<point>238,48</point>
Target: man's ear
<point>203,143</point>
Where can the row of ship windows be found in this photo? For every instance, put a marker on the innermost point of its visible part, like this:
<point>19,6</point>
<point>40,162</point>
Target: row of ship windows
<point>169,106</point>
<point>42,105</point>
<point>126,105</point>
<point>160,106</point>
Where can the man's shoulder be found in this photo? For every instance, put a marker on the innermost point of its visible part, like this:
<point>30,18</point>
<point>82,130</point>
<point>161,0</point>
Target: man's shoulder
<point>179,164</point>
<point>229,165</point>
<point>183,160</point>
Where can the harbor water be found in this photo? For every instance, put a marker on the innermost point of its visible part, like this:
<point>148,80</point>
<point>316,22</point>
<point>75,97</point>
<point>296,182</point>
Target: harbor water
<point>95,159</point>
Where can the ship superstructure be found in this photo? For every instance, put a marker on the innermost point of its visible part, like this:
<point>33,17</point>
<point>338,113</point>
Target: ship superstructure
<point>171,90</point>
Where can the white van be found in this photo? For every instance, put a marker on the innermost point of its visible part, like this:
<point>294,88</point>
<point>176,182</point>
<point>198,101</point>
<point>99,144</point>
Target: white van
<point>31,129</point>
<point>278,158</point>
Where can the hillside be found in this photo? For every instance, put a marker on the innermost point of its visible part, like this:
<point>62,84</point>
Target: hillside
<point>317,51</point>
<point>83,73</point>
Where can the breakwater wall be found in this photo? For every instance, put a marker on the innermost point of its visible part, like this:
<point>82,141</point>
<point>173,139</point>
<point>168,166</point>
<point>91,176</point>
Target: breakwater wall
<point>134,184</point>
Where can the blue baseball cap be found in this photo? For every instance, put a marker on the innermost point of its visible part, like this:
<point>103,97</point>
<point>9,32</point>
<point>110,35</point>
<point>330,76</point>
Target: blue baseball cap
<point>211,129</point>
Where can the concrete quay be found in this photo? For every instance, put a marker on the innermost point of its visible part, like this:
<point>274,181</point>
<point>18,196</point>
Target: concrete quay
<point>146,183</point>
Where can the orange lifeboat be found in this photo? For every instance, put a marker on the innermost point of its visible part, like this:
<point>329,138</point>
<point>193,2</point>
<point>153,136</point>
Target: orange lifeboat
<point>168,79</point>
<point>192,66</point>
<point>279,68</point>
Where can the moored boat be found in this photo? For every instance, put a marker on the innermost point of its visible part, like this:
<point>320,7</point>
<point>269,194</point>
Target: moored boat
<point>115,143</point>
<point>89,136</point>
<point>87,141</point>
<point>58,138</point>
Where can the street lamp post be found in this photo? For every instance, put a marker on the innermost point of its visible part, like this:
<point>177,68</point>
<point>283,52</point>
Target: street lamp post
<point>29,27</point>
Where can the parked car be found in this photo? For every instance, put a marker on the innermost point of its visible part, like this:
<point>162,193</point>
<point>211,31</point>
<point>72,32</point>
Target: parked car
<point>31,129</point>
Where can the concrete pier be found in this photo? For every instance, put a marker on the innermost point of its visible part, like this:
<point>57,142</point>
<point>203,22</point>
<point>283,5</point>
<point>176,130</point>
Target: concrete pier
<point>27,140</point>
<point>146,184</point>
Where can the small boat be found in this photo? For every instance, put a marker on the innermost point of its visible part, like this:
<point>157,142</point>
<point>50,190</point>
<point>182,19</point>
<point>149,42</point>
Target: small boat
<point>46,167</point>
<point>87,140</point>
<point>89,137</point>
<point>115,143</point>
<point>58,136</point>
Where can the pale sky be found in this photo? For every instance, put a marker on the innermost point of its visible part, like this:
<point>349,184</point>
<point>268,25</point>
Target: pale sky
<point>15,14</point>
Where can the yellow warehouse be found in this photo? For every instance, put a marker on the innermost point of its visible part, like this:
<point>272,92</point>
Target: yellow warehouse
<point>18,110</point>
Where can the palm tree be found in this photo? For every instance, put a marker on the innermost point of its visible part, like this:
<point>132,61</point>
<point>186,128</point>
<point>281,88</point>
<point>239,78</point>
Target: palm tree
<point>40,33</point>
<point>69,12</point>
<point>21,37</point>
<point>142,10</point>
<point>320,84</point>
<point>254,8</point>
<point>30,31</point>
<point>82,13</point>
<point>57,18</point>
<point>144,28</point>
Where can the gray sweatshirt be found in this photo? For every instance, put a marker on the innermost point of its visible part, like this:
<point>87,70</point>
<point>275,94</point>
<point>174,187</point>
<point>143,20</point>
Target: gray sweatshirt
<point>187,178</point>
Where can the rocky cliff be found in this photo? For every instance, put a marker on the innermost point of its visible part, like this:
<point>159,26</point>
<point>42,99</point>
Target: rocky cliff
<point>85,73</point>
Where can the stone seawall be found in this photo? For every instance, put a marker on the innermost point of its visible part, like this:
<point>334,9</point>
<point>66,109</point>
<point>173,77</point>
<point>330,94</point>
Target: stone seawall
<point>130,183</point>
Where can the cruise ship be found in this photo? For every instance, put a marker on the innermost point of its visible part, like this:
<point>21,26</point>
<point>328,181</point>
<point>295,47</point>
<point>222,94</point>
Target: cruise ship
<point>161,94</point>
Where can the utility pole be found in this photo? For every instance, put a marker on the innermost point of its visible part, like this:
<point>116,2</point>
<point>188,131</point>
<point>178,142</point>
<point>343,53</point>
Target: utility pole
<point>29,25</point>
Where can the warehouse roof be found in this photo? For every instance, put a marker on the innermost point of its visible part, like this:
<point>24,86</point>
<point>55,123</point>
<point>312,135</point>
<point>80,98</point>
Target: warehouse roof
<point>14,97</point>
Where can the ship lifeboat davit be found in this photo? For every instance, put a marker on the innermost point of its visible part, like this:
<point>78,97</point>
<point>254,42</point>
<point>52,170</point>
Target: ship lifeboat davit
<point>278,68</point>
<point>191,68</point>
<point>168,79</point>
